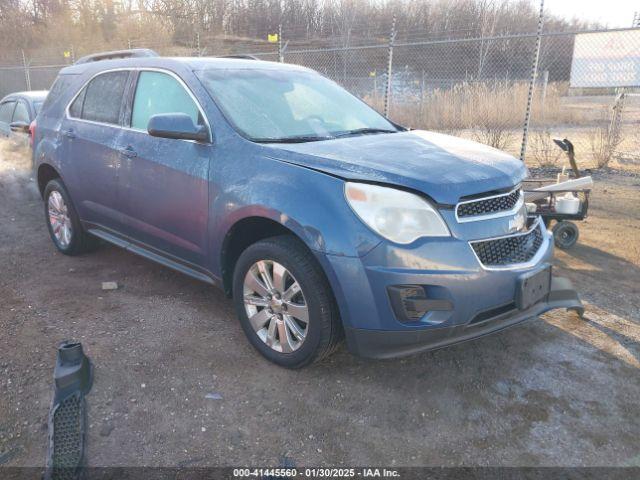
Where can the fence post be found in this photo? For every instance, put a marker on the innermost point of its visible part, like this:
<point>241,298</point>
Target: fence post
<point>280,52</point>
<point>375,88</point>
<point>387,92</point>
<point>27,76</point>
<point>613,136</point>
<point>543,96</point>
<point>422,92</point>
<point>198,44</point>
<point>532,83</point>
<point>129,43</point>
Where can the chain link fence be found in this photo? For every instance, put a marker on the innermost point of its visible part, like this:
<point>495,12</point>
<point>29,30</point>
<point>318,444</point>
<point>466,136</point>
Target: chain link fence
<point>476,88</point>
<point>588,84</point>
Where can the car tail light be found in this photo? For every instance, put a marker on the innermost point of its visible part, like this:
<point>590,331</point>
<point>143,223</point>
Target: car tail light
<point>32,132</point>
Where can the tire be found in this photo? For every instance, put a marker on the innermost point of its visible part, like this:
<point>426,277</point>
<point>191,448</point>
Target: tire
<point>59,214</point>
<point>273,313</point>
<point>565,234</point>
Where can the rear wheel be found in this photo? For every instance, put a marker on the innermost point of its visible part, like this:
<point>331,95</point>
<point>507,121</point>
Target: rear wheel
<point>63,222</point>
<point>284,303</point>
<point>565,234</point>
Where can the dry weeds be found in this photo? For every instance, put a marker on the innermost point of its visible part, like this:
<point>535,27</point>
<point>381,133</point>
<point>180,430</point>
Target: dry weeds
<point>543,150</point>
<point>493,113</point>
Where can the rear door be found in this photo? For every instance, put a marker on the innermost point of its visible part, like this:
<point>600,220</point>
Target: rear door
<point>6,113</point>
<point>165,181</point>
<point>90,134</point>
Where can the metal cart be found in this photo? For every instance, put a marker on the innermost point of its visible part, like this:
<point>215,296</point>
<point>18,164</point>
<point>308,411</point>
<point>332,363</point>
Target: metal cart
<point>565,232</point>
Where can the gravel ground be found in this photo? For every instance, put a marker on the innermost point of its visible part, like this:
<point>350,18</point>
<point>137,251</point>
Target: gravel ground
<point>555,391</point>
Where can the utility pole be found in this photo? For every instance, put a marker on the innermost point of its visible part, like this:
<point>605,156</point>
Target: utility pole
<point>387,92</point>
<point>532,83</point>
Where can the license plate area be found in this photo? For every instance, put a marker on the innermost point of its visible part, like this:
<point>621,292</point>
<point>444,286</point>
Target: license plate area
<point>533,287</point>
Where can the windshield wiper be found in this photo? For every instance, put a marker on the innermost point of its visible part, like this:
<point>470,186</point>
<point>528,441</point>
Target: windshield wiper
<point>363,131</point>
<point>317,138</point>
<point>298,139</point>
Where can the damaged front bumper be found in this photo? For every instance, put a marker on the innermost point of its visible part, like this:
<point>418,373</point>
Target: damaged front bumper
<point>389,344</point>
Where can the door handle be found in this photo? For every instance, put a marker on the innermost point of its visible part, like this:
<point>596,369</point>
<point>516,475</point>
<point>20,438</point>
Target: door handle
<point>69,134</point>
<point>128,152</point>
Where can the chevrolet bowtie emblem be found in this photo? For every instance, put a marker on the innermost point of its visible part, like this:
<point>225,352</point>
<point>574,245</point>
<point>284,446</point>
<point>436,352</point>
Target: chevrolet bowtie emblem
<point>517,222</point>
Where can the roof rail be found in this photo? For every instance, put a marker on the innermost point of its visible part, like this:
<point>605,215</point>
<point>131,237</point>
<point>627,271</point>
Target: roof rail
<point>240,56</point>
<point>133,53</point>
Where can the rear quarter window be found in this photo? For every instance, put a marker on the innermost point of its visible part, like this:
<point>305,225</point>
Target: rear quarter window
<point>75,110</point>
<point>59,87</point>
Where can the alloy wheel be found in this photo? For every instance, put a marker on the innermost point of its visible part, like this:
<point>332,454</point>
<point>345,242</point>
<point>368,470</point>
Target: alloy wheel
<point>276,306</point>
<point>59,219</point>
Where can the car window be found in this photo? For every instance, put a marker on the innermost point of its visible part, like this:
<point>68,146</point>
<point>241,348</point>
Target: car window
<point>37,106</point>
<point>59,86</point>
<point>158,92</point>
<point>269,104</point>
<point>75,110</point>
<point>103,97</point>
<point>21,113</point>
<point>6,110</point>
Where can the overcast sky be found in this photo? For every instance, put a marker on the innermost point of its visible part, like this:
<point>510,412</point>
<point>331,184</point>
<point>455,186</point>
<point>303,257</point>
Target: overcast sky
<point>614,13</point>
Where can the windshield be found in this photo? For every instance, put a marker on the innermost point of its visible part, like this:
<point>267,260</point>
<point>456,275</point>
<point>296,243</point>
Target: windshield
<point>37,106</point>
<point>275,105</point>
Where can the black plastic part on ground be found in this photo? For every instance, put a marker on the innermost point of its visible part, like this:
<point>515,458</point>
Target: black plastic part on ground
<point>73,378</point>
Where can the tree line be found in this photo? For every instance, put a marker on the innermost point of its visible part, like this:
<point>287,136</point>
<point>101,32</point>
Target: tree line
<point>92,24</point>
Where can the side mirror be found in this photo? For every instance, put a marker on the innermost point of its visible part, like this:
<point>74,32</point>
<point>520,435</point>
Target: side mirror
<point>176,125</point>
<point>19,127</point>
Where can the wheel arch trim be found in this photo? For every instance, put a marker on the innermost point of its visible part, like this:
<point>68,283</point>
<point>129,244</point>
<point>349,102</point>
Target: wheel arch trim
<point>250,225</point>
<point>44,174</point>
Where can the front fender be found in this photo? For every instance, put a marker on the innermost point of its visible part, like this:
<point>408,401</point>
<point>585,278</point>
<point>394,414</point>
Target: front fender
<point>309,203</point>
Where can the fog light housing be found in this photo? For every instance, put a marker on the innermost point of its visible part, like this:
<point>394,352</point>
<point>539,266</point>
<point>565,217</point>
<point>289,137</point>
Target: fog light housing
<point>410,302</point>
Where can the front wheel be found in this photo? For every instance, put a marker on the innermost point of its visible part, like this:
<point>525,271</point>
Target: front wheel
<point>284,302</point>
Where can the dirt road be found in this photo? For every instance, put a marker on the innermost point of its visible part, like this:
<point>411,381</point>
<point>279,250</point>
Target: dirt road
<point>555,391</point>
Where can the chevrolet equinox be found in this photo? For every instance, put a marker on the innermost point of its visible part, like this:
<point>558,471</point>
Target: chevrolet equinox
<point>317,215</point>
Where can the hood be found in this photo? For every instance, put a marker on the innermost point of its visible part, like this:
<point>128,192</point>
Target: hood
<point>441,166</point>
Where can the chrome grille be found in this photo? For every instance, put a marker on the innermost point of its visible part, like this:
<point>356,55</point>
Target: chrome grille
<point>465,211</point>
<point>505,251</point>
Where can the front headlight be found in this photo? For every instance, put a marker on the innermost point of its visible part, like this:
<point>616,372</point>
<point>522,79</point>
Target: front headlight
<point>399,216</point>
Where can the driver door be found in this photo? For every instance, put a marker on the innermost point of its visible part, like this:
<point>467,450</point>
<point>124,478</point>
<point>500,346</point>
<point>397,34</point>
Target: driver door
<point>165,181</point>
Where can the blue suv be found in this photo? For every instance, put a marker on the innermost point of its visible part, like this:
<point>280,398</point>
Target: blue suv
<point>320,217</point>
